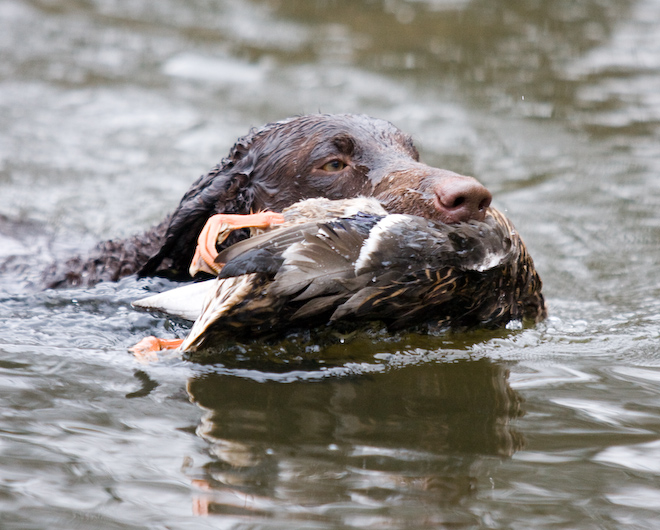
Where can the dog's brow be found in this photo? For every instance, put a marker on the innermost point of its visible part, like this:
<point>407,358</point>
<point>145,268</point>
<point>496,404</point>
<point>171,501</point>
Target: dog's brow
<point>345,144</point>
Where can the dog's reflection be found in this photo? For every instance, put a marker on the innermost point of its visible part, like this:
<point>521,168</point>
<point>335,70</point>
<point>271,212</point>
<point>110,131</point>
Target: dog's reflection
<point>412,434</point>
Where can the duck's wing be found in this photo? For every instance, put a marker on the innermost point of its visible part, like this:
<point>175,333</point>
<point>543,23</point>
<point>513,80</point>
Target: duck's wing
<point>419,268</point>
<point>349,259</point>
<point>323,262</point>
<point>243,257</point>
<point>297,245</point>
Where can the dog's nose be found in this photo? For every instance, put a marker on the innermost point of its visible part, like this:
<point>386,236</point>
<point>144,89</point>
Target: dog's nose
<point>459,199</point>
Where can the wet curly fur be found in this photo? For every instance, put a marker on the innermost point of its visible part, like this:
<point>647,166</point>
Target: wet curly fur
<point>270,168</point>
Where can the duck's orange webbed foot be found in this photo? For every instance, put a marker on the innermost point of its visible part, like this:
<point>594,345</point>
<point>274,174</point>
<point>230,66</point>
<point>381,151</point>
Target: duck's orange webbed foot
<point>217,229</point>
<point>146,350</point>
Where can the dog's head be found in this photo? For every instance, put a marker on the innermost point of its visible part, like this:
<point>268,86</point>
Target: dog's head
<point>334,156</point>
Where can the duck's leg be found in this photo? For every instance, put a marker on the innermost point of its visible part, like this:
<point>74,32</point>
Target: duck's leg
<point>217,229</point>
<point>156,344</point>
<point>146,349</point>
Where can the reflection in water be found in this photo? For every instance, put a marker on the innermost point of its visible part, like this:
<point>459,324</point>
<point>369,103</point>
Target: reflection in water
<point>414,432</point>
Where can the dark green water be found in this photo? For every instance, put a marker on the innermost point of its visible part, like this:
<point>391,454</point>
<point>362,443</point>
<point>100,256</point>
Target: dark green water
<point>110,109</point>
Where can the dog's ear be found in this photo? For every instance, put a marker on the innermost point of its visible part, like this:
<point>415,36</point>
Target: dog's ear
<point>227,188</point>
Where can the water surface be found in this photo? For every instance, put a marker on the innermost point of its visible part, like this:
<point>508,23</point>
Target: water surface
<point>109,110</point>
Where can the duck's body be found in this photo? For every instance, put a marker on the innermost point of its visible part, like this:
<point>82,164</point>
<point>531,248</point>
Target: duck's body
<point>399,269</point>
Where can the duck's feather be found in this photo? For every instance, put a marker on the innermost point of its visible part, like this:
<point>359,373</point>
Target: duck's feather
<point>324,260</point>
<point>276,240</point>
<point>184,302</point>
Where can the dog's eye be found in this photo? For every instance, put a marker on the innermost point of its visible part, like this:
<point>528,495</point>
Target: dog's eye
<point>333,166</point>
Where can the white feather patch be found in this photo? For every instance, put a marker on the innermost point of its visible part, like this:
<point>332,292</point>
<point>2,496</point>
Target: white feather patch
<point>363,205</point>
<point>184,302</point>
<point>375,238</point>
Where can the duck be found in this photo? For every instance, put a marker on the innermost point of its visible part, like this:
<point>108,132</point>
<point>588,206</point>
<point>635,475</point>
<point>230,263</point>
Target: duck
<point>351,262</point>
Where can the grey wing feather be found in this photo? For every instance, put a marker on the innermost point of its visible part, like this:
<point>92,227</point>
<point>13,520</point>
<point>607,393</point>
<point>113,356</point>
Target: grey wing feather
<point>320,263</point>
<point>281,238</point>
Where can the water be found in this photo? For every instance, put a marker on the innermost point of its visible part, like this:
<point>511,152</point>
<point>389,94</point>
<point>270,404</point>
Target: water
<point>109,110</point>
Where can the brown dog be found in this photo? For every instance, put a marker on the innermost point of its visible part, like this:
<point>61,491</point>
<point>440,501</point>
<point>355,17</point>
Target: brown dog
<point>333,156</point>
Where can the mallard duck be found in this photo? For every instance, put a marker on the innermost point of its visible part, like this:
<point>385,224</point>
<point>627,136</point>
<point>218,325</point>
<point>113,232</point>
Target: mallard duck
<point>355,262</point>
